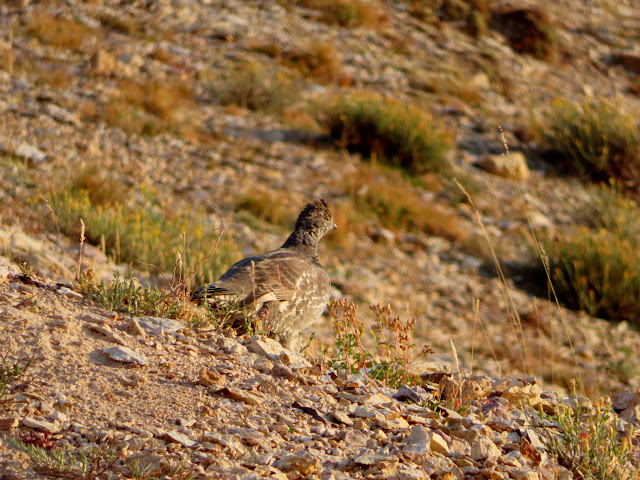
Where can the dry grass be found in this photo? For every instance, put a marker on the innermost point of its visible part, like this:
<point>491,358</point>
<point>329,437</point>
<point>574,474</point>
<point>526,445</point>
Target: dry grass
<point>318,60</point>
<point>58,31</point>
<point>254,86</point>
<point>151,107</point>
<point>144,230</point>
<point>266,204</point>
<point>348,13</point>
<point>384,194</point>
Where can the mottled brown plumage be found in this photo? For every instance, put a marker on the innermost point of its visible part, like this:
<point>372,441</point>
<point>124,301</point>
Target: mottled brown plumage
<point>284,290</point>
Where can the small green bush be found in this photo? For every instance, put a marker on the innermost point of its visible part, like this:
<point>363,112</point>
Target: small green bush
<point>586,442</point>
<point>595,139</point>
<point>146,232</point>
<point>612,211</point>
<point>404,135</point>
<point>597,271</point>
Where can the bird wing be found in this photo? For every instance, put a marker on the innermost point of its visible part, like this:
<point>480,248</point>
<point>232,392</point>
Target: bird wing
<point>270,276</point>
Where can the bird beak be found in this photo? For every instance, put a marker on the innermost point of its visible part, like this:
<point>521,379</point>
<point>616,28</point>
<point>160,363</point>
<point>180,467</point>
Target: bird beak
<point>334,225</point>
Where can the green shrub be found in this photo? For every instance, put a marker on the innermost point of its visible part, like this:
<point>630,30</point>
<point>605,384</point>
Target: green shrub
<point>610,210</point>
<point>586,441</point>
<point>148,233</point>
<point>404,135</point>
<point>597,271</point>
<point>595,139</point>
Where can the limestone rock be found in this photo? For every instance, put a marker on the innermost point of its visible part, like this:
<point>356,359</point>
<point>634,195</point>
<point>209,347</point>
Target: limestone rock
<point>513,166</point>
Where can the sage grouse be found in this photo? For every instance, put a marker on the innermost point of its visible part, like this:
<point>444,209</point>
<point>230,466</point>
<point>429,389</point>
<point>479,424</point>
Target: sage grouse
<point>279,292</point>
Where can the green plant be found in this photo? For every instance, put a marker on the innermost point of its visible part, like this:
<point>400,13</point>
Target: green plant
<point>611,211</point>
<point>586,441</point>
<point>389,362</point>
<point>254,86</point>
<point>376,126</point>
<point>10,372</point>
<point>78,463</point>
<point>150,234</point>
<point>598,271</point>
<point>595,138</point>
<point>126,295</point>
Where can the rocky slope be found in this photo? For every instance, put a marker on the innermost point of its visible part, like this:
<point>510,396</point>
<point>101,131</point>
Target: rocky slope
<point>128,100</point>
<point>147,397</point>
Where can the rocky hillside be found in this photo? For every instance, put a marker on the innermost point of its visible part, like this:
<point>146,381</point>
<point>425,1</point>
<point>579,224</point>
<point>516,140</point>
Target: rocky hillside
<point>93,394</point>
<point>188,134</point>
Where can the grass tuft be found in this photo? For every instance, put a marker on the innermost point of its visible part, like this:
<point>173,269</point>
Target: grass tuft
<point>147,232</point>
<point>391,198</point>
<point>404,135</point>
<point>58,31</point>
<point>10,372</point>
<point>597,271</point>
<point>596,139</point>
<point>255,87</point>
<point>348,13</point>
<point>586,442</point>
<point>152,107</point>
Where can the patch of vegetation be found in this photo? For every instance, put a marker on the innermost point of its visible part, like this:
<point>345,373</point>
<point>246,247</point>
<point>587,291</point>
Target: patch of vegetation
<point>253,86</point>
<point>152,107</point>
<point>65,462</point>
<point>147,232</point>
<point>596,139</point>
<point>122,23</point>
<point>471,16</point>
<point>586,442</point>
<point>390,360</point>
<point>385,194</point>
<point>10,373</point>
<point>318,60</point>
<point>375,126</point>
<point>128,296</point>
<point>610,210</point>
<point>348,13</point>
<point>597,271</point>
<point>58,31</point>
<point>266,204</point>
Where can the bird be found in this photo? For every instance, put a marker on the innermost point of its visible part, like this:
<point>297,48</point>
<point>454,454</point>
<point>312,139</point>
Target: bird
<point>281,292</point>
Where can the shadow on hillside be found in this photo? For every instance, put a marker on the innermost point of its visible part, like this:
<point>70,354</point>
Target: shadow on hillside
<point>272,135</point>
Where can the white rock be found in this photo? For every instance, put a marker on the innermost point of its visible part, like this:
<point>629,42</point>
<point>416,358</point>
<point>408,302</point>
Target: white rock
<point>484,448</point>
<point>157,325</point>
<point>30,153</point>
<point>125,355</point>
<point>180,438</point>
<point>39,424</point>
<point>272,349</point>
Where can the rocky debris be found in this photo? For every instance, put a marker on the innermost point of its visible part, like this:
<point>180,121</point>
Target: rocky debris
<point>223,417</point>
<point>53,126</point>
